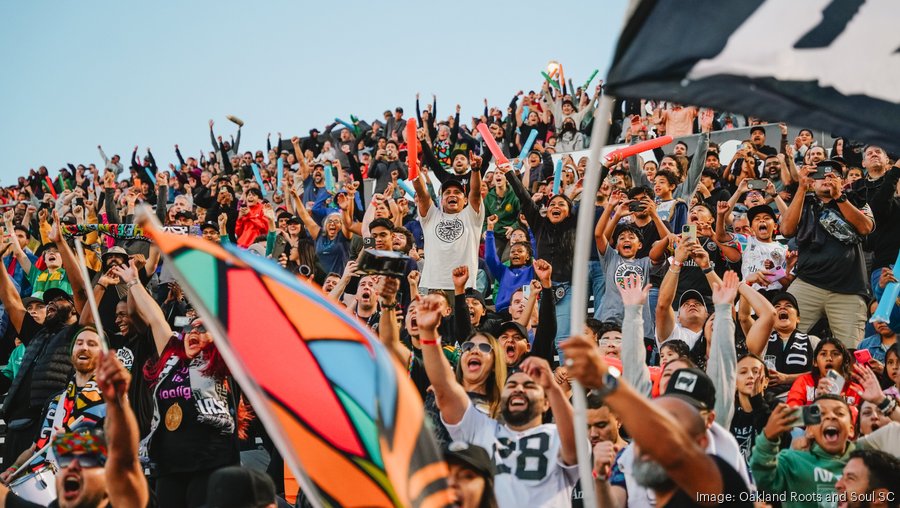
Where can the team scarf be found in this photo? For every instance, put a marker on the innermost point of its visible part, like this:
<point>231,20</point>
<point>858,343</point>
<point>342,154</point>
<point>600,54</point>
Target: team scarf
<point>123,231</point>
<point>75,403</point>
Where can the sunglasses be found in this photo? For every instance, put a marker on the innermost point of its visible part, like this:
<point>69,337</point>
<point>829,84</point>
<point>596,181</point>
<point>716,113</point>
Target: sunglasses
<point>468,346</point>
<point>85,460</point>
<point>194,327</point>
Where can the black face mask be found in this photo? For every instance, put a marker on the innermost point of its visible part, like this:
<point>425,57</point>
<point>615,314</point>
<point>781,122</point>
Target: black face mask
<point>568,127</point>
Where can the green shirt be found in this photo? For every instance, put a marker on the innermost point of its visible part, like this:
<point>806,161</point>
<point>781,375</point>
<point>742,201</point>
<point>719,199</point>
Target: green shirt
<point>806,478</point>
<point>506,209</point>
<point>15,361</point>
<point>42,280</point>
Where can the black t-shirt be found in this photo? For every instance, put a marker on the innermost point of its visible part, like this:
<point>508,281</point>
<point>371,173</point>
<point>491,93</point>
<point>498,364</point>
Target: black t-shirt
<point>734,490</point>
<point>692,277</point>
<point>823,260</point>
<point>134,352</point>
<point>192,445</point>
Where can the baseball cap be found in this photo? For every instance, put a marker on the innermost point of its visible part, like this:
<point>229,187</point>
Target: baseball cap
<point>239,487</point>
<point>54,293</point>
<point>506,325</point>
<point>784,296</point>
<point>692,386</point>
<point>28,300</point>
<point>760,209</point>
<point>474,293</point>
<point>114,251</point>
<point>452,182</point>
<point>209,225</point>
<point>757,128</point>
<point>295,219</point>
<point>691,294</point>
<point>470,456</point>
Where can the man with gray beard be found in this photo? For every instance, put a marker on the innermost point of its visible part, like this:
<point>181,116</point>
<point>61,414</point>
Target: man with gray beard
<point>670,440</point>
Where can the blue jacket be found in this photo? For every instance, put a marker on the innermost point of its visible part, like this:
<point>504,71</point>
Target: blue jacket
<point>509,279</point>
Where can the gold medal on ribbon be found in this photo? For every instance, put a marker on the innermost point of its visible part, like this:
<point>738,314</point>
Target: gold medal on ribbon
<point>173,417</point>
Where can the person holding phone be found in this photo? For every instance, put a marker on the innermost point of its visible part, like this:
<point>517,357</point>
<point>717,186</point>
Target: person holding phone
<point>873,349</point>
<point>830,274</point>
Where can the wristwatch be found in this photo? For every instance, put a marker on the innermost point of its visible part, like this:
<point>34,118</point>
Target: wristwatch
<point>610,383</point>
<point>841,199</point>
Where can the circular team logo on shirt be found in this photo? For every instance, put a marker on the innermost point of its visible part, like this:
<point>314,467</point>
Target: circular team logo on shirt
<point>626,269</point>
<point>449,230</point>
<point>126,357</point>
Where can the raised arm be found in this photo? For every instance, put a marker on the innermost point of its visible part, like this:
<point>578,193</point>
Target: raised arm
<point>125,482</point>
<point>423,199</point>
<point>474,182</point>
<point>722,357</point>
<point>146,307</point>
<point>388,328</point>
<point>544,336</point>
<point>665,316</point>
<point>658,433</point>
<point>760,329</point>
<point>634,366</point>
<point>450,396</point>
<point>70,263</point>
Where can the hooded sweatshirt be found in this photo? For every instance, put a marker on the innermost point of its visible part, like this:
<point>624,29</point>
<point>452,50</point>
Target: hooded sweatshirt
<point>806,477</point>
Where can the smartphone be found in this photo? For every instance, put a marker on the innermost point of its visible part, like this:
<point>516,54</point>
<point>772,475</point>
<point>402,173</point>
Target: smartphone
<point>862,356</point>
<point>636,206</point>
<point>689,232</point>
<point>756,185</point>
<point>182,321</point>
<point>837,381</point>
<point>770,363</point>
<point>808,415</point>
<point>526,290</point>
<point>369,242</point>
<point>779,273</point>
<point>822,170</point>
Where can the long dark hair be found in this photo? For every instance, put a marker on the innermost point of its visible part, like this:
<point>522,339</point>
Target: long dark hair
<point>893,350</point>
<point>846,363</point>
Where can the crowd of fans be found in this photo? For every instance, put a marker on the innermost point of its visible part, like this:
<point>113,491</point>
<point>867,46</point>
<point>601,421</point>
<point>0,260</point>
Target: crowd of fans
<point>730,356</point>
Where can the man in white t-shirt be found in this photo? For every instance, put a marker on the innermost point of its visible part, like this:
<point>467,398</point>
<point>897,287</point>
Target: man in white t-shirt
<point>536,463</point>
<point>453,232</point>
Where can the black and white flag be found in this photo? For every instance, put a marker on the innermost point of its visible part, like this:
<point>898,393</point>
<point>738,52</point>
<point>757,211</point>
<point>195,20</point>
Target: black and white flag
<point>828,64</point>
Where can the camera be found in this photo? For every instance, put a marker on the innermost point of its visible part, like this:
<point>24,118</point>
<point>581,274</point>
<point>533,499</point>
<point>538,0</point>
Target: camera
<point>823,169</point>
<point>382,262</point>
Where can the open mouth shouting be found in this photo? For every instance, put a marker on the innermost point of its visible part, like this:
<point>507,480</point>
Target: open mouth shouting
<point>71,486</point>
<point>517,402</point>
<point>511,353</point>
<point>831,433</point>
<point>474,364</point>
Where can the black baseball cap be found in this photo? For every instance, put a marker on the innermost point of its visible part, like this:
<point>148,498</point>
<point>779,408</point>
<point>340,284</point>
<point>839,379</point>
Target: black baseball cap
<point>757,128</point>
<point>691,294</point>
<point>506,325</point>
<point>239,487</point>
<point>760,209</point>
<point>785,296</point>
<point>474,293</point>
<point>692,386</point>
<point>471,457</point>
<point>452,182</point>
<point>54,293</point>
<point>209,225</point>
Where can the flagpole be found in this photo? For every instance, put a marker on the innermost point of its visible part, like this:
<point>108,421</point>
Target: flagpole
<point>89,289</point>
<point>584,236</point>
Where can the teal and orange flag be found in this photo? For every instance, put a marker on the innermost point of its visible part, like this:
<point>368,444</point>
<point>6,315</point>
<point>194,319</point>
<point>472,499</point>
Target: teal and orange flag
<point>340,408</point>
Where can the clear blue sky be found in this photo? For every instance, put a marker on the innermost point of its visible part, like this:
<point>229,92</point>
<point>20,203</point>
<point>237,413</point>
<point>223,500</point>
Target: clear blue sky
<point>120,74</point>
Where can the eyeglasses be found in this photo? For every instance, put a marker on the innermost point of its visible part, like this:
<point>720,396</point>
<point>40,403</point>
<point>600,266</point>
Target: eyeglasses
<point>611,340</point>
<point>468,346</point>
<point>195,327</point>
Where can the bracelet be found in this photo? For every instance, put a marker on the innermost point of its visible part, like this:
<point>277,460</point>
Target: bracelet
<point>129,285</point>
<point>676,272</point>
<point>101,285</point>
<point>391,306</point>
<point>432,342</point>
<point>707,270</point>
<point>675,262</point>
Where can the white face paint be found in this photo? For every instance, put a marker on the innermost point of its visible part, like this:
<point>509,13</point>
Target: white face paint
<point>784,23</point>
